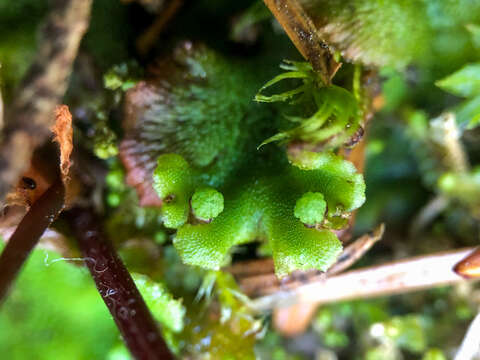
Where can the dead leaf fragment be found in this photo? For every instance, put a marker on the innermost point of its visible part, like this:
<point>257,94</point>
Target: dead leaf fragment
<point>63,131</point>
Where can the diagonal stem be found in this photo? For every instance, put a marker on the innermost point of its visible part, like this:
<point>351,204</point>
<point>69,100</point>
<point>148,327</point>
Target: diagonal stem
<point>42,213</point>
<point>116,286</point>
<point>301,30</point>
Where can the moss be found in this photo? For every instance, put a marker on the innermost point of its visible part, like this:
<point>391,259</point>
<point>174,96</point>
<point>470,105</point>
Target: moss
<point>207,203</point>
<point>198,122</point>
<point>173,183</point>
<point>260,205</point>
<point>397,33</point>
<point>198,106</point>
<point>335,116</point>
<point>310,208</point>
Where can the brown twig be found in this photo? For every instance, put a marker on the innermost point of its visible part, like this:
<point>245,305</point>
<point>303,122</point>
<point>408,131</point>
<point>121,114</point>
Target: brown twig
<point>301,30</point>
<point>29,119</point>
<point>353,252</point>
<point>417,273</point>
<point>117,288</point>
<point>148,38</point>
<point>42,213</point>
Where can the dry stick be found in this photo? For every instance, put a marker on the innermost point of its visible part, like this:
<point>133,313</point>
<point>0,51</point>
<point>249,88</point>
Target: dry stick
<point>417,273</point>
<point>29,119</point>
<point>353,252</point>
<point>42,213</point>
<point>148,38</point>
<point>117,288</point>
<point>301,30</point>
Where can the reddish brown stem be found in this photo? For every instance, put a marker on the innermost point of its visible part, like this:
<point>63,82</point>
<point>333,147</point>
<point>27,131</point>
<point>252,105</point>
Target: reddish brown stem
<point>301,31</point>
<point>147,39</point>
<point>42,213</point>
<point>117,288</point>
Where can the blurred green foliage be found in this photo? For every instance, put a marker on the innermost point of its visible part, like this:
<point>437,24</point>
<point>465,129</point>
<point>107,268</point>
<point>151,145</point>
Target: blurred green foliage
<point>19,21</point>
<point>465,83</point>
<point>54,311</point>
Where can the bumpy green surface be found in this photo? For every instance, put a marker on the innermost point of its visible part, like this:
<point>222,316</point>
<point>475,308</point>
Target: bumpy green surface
<point>396,33</point>
<point>173,183</point>
<point>310,208</point>
<point>260,205</point>
<point>207,203</point>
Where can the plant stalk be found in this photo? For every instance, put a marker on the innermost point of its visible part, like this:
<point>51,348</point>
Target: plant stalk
<point>116,287</point>
<point>28,232</point>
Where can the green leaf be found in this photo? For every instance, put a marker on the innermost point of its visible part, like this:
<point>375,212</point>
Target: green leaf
<point>335,120</point>
<point>474,29</point>
<point>468,112</point>
<point>302,66</point>
<point>464,82</point>
<point>277,137</point>
<point>474,122</point>
<point>434,354</point>
<point>283,76</point>
<point>342,186</point>
<point>298,70</point>
<point>280,97</point>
